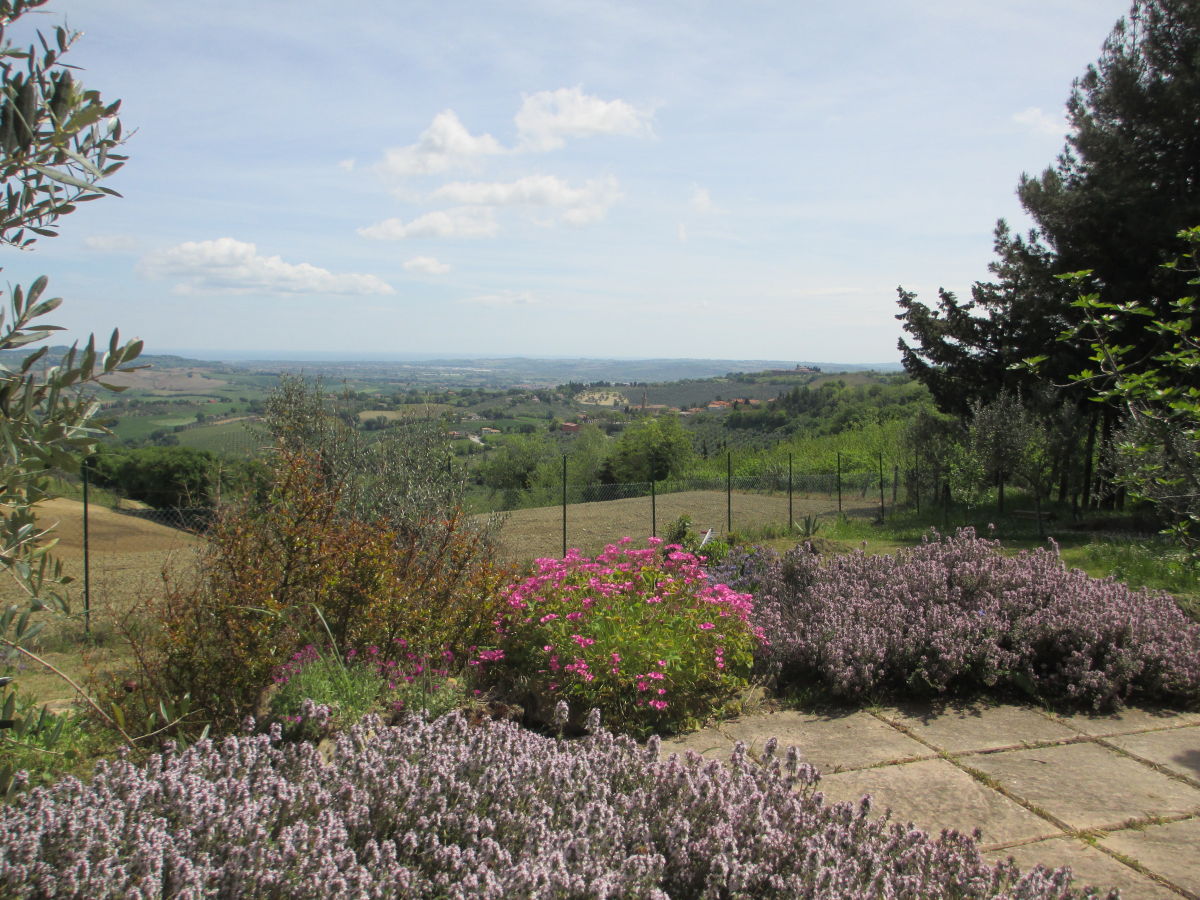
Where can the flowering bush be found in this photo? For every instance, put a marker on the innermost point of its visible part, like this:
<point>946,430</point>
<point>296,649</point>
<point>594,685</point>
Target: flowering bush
<point>449,810</point>
<point>641,634</point>
<point>956,614</point>
<point>276,576</point>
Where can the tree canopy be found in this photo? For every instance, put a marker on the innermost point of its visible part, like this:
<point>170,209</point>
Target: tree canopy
<point>1126,182</point>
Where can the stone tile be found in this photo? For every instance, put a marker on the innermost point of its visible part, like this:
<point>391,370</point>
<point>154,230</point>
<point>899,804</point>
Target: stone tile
<point>1170,851</point>
<point>959,727</point>
<point>1177,749</point>
<point>1127,720</point>
<point>832,743</point>
<point>935,794</point>
<point>708,742</point>
<point>1086,785</point>
<point>1089,866</point>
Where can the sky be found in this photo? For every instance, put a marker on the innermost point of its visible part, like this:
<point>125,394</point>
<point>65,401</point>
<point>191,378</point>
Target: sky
<point>565,178</point>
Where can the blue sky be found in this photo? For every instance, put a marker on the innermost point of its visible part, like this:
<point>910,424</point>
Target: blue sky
<point>605,179</point>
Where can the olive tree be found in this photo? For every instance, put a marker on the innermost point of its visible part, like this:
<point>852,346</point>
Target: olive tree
<point>58,141</point>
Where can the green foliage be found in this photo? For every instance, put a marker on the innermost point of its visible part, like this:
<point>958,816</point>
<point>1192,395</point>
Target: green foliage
<point>350,689</point>
<point>172,477</point>
<point>1004,441</point>
<point>652,449</point>
<point>1126,182</point>
<point>1157,456</point>
<point>56,143</point>
<point>640,635</point>
<point>57,139</point>
<point>406,477</point>
<point>298,569</point>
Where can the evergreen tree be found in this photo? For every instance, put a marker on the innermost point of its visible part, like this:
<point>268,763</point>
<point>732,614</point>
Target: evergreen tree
<point>1127,181</point>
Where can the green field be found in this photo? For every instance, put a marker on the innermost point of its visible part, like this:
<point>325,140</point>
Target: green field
<point>230,438</point>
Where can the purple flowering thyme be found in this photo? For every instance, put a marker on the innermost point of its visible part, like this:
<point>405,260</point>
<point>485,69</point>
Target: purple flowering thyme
<point>449,809</point>
<point>956,614</point>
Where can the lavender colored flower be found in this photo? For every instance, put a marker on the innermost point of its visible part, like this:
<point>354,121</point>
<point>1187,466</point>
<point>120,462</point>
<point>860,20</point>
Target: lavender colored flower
<point>449,809</point>
<point>957,615</point>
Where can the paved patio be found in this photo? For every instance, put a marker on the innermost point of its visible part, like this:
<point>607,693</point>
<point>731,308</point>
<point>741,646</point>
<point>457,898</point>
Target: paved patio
<point>1115,797</point>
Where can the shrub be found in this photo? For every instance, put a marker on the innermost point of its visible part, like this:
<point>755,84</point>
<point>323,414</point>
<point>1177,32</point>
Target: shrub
<point>956,615</point>
<point>295,571</point>
<point>640,634</point>
<point>446,809</point>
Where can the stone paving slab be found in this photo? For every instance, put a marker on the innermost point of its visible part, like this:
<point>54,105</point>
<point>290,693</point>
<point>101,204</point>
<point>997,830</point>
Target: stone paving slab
<point>1128,720</point>
<point>1086,785</point>
<point>1089,866</point>
<point>708,742</point>
<point>935,794</point>
<point>961,727</point>
<point>1177,749</point>
<point>1172,851</point>
<point>832,743</point>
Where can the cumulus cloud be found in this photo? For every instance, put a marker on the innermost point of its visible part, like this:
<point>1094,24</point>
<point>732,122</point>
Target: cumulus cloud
<point>111,243</point>
<point>444,145</point>
<point>459,222</point>
<point>580,205</point>
<point>503,298</point>
<point>1037,119</point>
<point>230,266</point>
<point>546,118</point>
<point>426,265</point>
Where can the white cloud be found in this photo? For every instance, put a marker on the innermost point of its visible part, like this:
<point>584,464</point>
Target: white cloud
<point>461,221</point>
<point>347,165</point>
<point>1037,119</point>
<point>504,298</point>
<point>426,265</point>
<point>683,234</point>
<point>701,200</point>
<point>445,144</point>
<point>230,266</point>
<point>111,243</point>
<point>581,205</point>
<point>546,118</point>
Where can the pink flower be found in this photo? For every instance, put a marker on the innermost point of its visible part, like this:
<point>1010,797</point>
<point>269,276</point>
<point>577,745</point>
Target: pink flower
<point>660,705</point>
<point>549,617</point>
<point>705,626</point>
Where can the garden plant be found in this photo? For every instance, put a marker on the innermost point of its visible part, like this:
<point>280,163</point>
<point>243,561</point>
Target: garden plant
<point>640,633</point>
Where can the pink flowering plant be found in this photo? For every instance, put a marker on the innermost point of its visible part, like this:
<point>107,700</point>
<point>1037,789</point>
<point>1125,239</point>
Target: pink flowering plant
<point>640,633</point>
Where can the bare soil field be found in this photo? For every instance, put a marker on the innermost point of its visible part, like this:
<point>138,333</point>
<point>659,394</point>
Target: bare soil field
<point>532,533</point>
<point>169,381</point>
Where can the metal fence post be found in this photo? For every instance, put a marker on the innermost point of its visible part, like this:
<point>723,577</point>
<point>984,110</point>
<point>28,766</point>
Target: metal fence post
<point>564,506</point>
<point>791,518</point>
<point>839,483</point>
<point>653,508</point>
<point>882,511</point>
<point>728,492</point>
<point>87,572</point>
